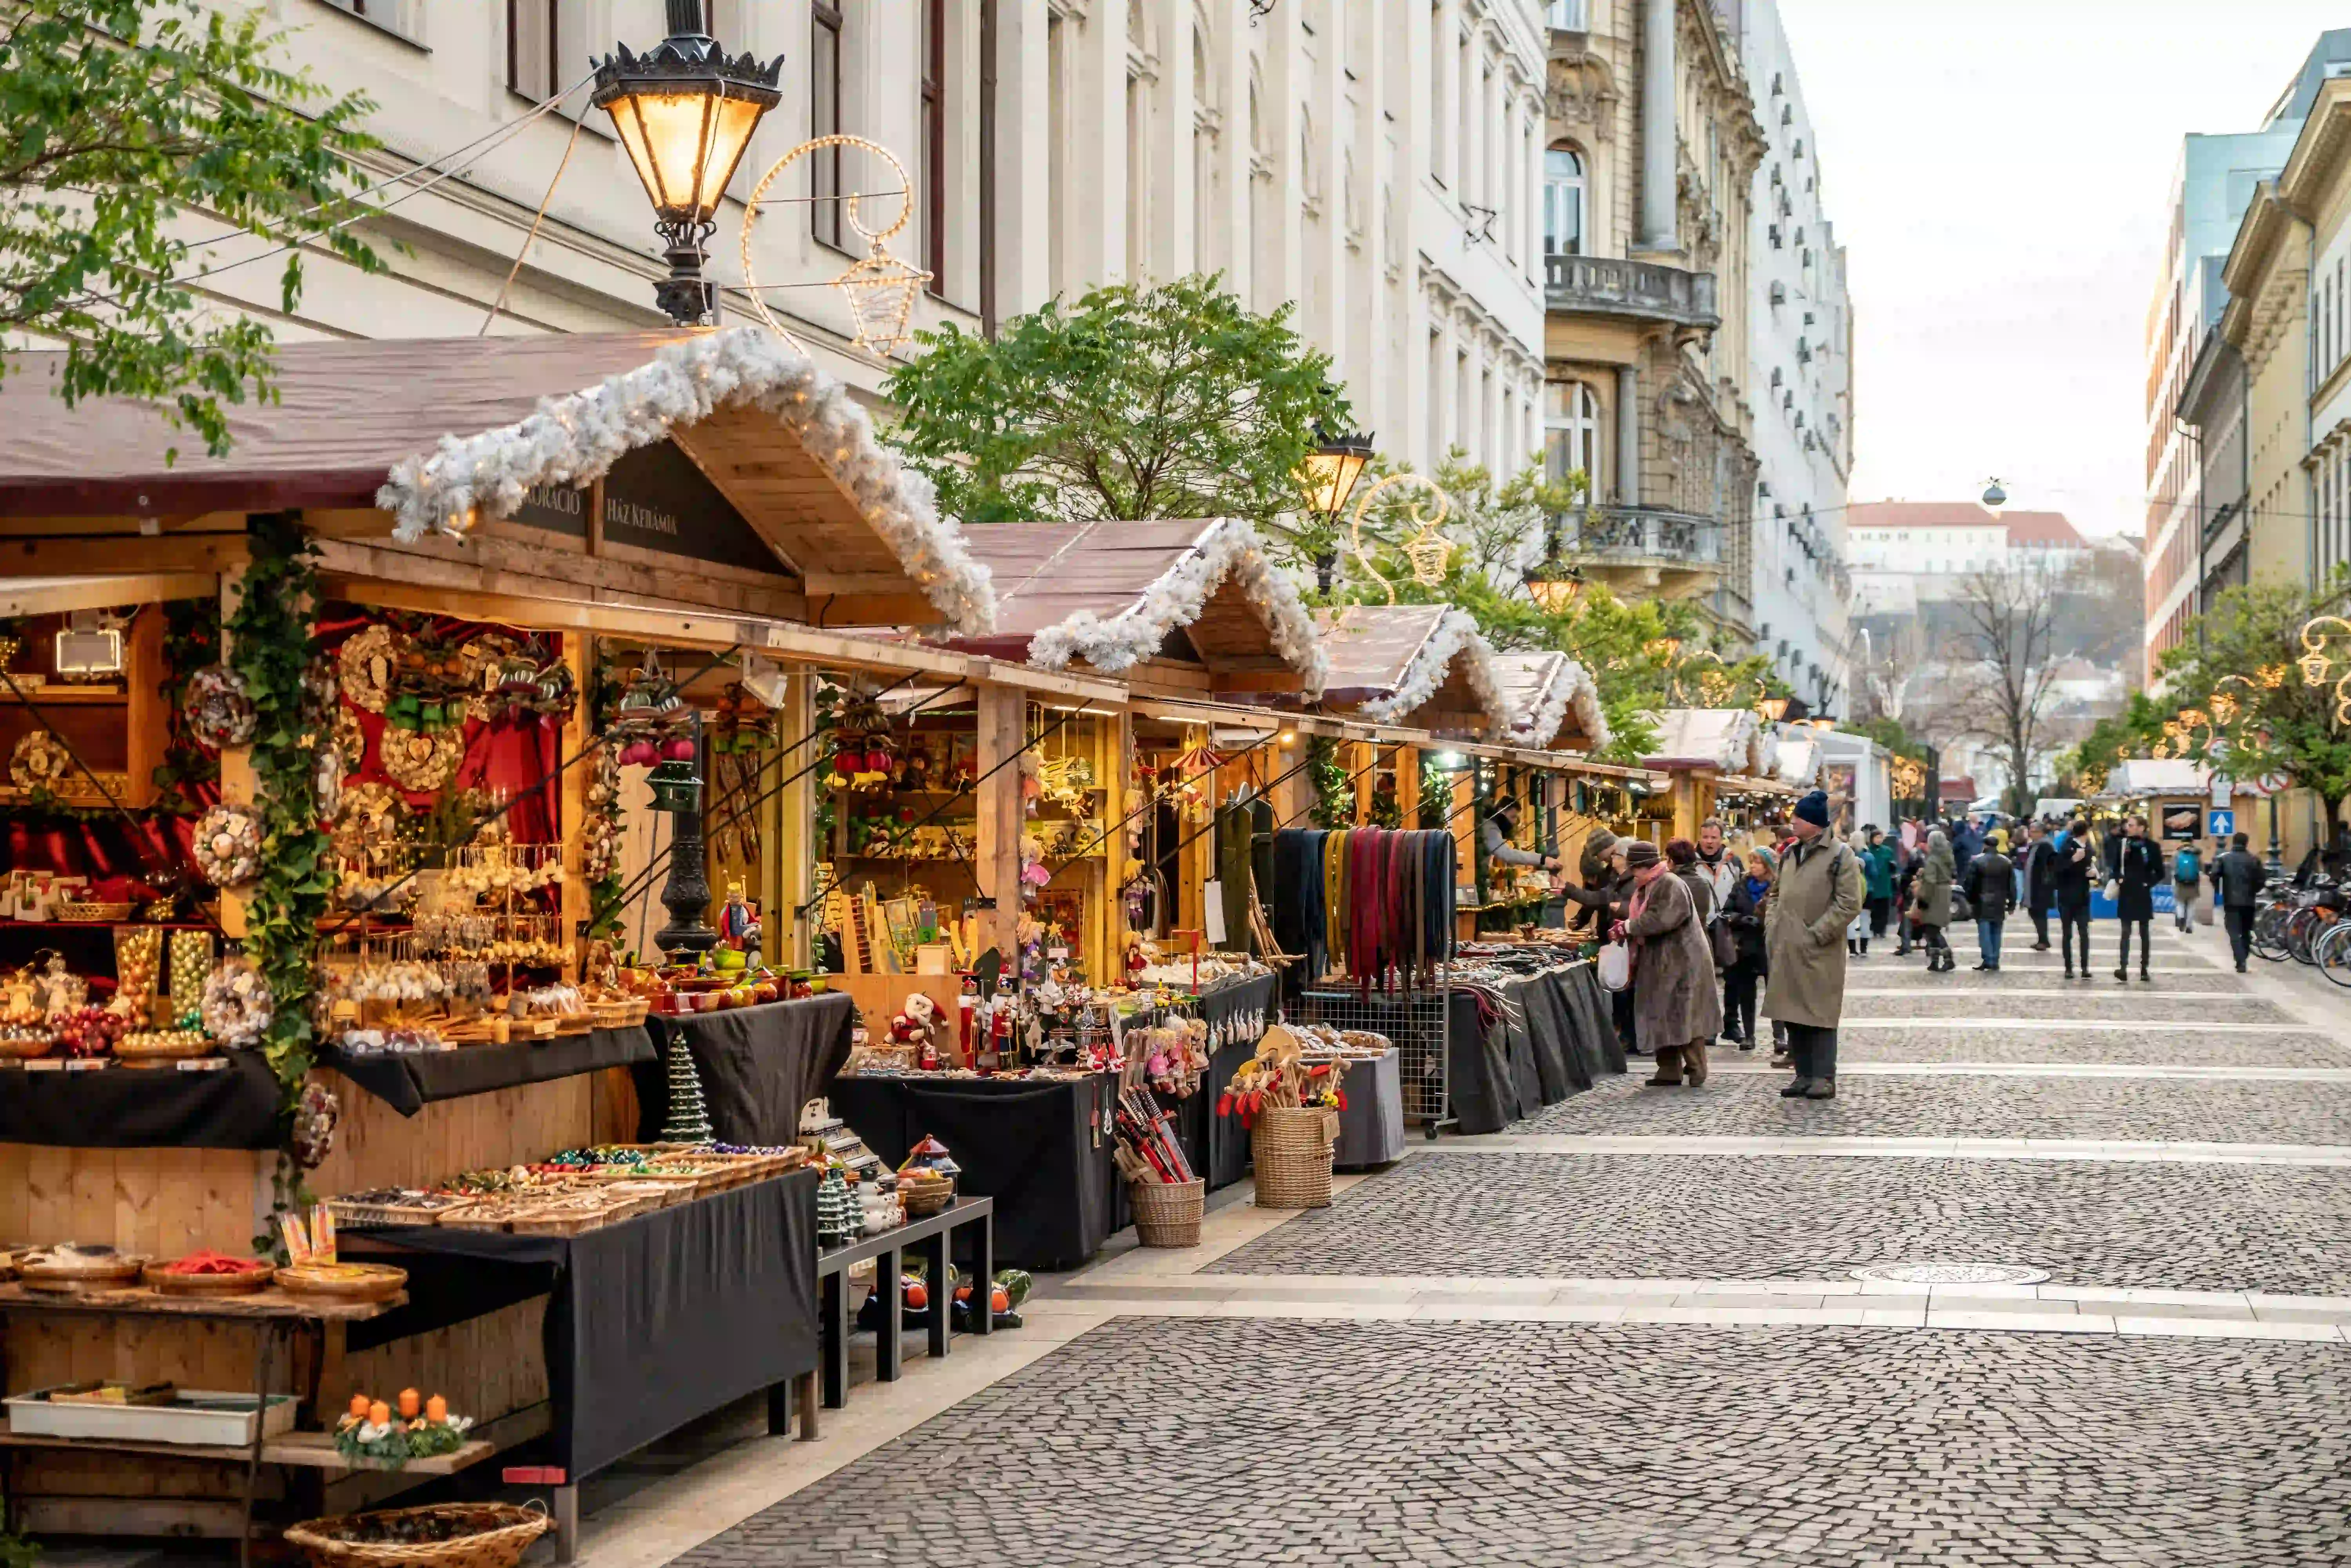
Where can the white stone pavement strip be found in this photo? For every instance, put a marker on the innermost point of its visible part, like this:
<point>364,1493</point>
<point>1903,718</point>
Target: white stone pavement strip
<point>1743,1064</point>
<point>2208,1026</point>
<point>1920,1148</point>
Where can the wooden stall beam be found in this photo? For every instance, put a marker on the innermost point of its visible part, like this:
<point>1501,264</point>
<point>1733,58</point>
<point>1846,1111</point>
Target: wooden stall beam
<point>63,595</point>
<point>997,863</point>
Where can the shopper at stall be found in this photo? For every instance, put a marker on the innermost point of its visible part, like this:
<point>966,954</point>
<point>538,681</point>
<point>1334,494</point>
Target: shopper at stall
<point>1717,861</point>
<point>2237,880</point>
<point>1990,886</point>
<point>1931,905</point>
<point>2071,888</point>
<point>1877,879</point>
<point>1677,1010</point>
<point>1906,879</point>
<point>2134,865</point>
<point>1750,903</point>
<point>2187,885</point>
<point>1601,899</point>
<point>1681,856</point>
<point>1818,890</point>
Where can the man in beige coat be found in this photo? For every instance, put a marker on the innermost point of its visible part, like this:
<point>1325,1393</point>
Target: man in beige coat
<point>1819,893</point>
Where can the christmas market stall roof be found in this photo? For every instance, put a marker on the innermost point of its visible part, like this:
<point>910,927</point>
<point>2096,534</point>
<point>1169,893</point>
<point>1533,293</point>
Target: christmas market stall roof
<point>1728,740</point>
<point>1426,666</point>
<point>1558,701</point>
<point>1190,606</point>
<point>1800,762</point>
<point>720,469</point>
<point>2140,776</point>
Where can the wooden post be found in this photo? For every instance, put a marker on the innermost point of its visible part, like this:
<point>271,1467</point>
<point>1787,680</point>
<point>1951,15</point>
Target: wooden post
<point>571,790</point>
<point>1293,796</point>
<point>1113,762</point>
<point>788,877</point>
<point>146,722</point>
<point>997,864</point>
<point>1360,766</point>
<point>235,761</point>
<point>1407,762</point>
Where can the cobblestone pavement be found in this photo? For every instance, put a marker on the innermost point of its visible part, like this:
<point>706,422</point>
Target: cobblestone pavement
<point>2146,1047</point>
<point>1954,996</point>
<point>2100,1109</point>
<point>2279,1228</point>
<point>1155,1444</point>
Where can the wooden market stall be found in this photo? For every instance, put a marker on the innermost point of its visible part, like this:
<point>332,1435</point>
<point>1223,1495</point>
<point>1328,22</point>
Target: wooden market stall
<point>1716,758</point>
<point>499,529</point>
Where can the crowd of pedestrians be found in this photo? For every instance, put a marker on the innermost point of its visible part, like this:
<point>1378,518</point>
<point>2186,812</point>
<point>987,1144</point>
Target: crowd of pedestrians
<point>1724,938</point>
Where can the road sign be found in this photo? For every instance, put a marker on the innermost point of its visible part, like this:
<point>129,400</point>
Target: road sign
<point>2221,823</point>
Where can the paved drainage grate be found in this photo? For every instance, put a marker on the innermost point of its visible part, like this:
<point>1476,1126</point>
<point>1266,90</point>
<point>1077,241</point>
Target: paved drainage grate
<point>1952,1273</point>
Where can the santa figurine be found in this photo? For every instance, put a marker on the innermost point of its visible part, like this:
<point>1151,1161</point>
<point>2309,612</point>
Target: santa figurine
<point>917,1028</point>
<point>738,923</point>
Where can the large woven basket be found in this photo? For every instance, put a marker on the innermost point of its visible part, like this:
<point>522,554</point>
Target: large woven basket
<point>1167,1214</point>
<point>502,1531</point>
<point>1293,1146</point>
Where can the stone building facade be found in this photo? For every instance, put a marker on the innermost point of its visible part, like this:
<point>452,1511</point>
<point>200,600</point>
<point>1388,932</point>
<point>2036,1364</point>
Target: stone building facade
<point>1653,146</point>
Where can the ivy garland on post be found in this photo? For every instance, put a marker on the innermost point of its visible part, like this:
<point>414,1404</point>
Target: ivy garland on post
<point>1335,804</point>
<point>1436,794</point>
<point>271,650</point>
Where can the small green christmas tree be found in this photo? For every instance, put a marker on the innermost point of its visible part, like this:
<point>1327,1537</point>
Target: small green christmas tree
<point>689,1121</point>
<point>836,1220</point>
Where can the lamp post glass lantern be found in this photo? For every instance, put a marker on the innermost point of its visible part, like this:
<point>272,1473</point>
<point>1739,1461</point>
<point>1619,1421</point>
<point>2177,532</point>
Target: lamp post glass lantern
<point>1328,478</point>
<point>684,113</point>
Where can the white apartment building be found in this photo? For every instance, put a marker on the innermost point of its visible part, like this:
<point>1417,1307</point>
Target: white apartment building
<point>1800,368</point>
<point>1376,163</point>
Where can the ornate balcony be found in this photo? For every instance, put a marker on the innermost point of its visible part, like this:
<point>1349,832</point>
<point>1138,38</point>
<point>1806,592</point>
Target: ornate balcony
<point>1639,291</point>
<point>1644,547</point>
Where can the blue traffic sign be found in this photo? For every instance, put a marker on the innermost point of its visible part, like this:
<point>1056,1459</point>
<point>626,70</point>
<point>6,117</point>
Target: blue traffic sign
<point>2221,823</point>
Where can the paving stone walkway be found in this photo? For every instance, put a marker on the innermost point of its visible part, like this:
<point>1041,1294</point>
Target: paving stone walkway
<point>1528,1349</point>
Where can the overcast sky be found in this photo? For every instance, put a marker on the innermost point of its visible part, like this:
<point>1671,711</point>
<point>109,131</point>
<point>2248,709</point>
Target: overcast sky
<point>1999,172</point>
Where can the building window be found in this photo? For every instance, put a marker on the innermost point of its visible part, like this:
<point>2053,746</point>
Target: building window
<point>534,45</point>
<point>1572,433</point>
<point>825,119</point>
<point>400,16</point>
<point>1575,15</point>
<point>933,171</point>
<point>1436,115</point>
<point>1563,192</point>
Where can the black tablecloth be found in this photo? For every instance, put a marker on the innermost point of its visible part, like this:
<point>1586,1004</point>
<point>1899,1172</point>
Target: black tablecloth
<point>1035,1145</point>
<point>1554,1040</point>
<point>1228,1141</point>
<point>117,1107</point>
<point>411,1082</point>
<point>759,1066</point>
<point>1371,1123</point>
<point>653,1322</point>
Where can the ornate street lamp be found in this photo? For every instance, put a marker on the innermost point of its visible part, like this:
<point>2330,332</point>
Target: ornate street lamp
<point>1771,709</point>
<point>684,113</point>
<point>1328,478</point>
<point>1554,584</point>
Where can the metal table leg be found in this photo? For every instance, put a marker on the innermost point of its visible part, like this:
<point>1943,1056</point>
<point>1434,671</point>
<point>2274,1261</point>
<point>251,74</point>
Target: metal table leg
<point>891,1336</point>
<point>939,1256</point>
<point>567,1523</point>
<point>833,1310</point>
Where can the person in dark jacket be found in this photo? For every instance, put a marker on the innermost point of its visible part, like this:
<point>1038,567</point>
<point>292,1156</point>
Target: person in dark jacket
<point>2237,880</point>
<point>2136,865</point>
<point>1606,893</point>
<point>2070,887</point>
<point>1750,900</point>
<point>1905,876</point>
<point>2040,868</point>
<point>1990,882</point>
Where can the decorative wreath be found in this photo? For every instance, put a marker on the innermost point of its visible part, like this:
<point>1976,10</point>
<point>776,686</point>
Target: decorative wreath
<point>420,760</point>
<point>220,713</point>
<point>351,739</point>
<point>237,1005</point>
<point>367,662</point>
<point>315,1116</point>
<point>227,848</point>
<point>369,814</point>
<point>39,762</point>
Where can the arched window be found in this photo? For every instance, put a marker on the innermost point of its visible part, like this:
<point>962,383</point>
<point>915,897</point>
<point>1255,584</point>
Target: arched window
<point>1572,432</point>
<point>1563,193</point>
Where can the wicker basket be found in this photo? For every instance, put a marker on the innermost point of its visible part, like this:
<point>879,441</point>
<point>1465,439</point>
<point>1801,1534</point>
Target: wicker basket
<point>502,1533</point>
<point>1293,1146</point>
<point>1168,1214</point>
<point>92,912</point>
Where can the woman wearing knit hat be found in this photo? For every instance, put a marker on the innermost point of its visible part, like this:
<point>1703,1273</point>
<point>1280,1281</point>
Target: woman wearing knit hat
<point>1676,1007</point>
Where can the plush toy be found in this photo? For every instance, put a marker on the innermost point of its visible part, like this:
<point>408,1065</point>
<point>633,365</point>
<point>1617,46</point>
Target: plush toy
<point>917,1028</point>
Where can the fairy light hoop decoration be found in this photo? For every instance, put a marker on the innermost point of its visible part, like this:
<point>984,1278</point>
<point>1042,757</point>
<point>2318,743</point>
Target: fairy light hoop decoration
<point>878,288</point>
<point>1428,551</point>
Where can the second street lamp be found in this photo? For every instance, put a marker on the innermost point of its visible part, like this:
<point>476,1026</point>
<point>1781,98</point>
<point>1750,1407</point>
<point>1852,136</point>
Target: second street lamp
<point>1328,477</point>
<point>684,113</point>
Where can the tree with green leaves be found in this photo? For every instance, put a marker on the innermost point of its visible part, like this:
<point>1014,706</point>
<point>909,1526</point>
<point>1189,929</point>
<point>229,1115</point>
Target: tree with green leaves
<point>1173,401</point>
<point>130,131</point>
<point>2240,668</point>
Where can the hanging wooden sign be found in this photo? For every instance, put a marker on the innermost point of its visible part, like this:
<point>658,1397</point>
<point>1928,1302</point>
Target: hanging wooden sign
<point>655,499</point>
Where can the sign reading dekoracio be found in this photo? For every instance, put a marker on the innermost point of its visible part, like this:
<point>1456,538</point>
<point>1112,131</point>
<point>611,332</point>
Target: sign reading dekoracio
<point>655,499</point>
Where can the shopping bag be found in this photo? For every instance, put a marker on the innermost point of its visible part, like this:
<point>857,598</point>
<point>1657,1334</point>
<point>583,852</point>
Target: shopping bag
<point>1615,966</point>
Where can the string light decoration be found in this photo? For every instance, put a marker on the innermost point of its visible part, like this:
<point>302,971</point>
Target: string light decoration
<point>1428,551</point>
<point>879,288</point>
<point>2319,666</point>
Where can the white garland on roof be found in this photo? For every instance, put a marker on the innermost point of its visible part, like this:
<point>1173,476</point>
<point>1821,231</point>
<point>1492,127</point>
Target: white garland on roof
<point>1457,634</point>
<point>1570,685</point>
<point>1230,549</point>
<point>574,439</point>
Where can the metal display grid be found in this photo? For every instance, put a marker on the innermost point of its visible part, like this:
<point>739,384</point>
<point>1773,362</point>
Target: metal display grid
<point>1418,1023</point>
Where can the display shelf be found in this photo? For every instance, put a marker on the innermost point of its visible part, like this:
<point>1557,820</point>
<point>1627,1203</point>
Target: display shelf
<point>305,1451</point>
<point>72,696</point>
<point>137,1301</point>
